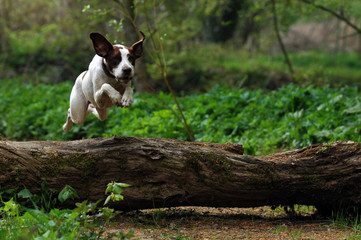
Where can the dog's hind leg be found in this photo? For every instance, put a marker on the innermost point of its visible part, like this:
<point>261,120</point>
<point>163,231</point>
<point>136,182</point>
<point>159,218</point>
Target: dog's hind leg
<point>78,107</point>
<point>76,114</point>
<point>69,123</point>
<point>101,114</point>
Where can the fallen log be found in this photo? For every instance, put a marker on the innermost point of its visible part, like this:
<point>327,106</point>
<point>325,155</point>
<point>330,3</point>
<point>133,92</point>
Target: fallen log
<point>166,173</point>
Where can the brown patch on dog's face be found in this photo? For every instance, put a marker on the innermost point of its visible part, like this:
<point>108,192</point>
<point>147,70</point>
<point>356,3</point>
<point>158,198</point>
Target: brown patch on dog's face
<point>114,58</point>
<point>120,63</point>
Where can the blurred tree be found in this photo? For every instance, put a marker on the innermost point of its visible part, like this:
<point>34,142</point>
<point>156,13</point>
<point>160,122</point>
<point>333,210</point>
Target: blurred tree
<point>4,21</point>
<point>141,78</point>
<point>221,28</point>
<point>46,41</point>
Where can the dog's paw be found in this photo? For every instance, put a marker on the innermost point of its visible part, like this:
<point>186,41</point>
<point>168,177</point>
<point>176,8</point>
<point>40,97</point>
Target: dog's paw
<point>117,100</point>
<point>127,101</point>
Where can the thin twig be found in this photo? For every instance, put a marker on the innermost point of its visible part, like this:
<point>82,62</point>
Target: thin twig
<point>161,65</point>
<point>337,15</point>
<point>165,78</point>
<point>283,48</point>
<point>126,14</point>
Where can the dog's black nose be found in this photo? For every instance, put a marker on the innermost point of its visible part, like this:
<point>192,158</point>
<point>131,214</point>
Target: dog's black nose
<point>127,71</point>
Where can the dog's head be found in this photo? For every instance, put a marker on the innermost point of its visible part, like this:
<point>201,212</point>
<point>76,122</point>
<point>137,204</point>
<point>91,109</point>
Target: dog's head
<point>120,60</point>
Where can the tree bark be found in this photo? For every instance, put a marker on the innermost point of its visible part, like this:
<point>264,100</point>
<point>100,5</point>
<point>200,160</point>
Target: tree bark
<point>141,78</point>
<point>165,173</point>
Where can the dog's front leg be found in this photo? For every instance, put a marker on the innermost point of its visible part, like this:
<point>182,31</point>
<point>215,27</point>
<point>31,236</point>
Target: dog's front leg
<point>127,99</point>
<point>105,93</point>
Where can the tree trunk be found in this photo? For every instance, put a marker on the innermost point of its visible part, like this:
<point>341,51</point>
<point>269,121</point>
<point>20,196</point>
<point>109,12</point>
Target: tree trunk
<point>141,79</point>
<point>4,20</point>
<point>222,28</point>
<point>165,173</point>
<point>5,8</point>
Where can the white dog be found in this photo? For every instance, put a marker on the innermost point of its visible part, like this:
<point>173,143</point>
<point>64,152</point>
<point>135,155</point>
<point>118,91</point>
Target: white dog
<point>106,83</point>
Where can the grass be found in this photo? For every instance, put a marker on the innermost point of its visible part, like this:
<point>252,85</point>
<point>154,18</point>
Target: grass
<point>346,219</point>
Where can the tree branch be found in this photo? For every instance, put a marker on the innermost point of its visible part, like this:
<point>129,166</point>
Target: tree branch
<point>283,48</point>
<point>332,12</point>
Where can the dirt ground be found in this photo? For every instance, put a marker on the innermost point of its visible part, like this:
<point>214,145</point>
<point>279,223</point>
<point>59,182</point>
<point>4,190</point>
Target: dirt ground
<point>231,223</point>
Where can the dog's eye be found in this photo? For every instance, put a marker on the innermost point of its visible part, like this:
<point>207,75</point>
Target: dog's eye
<point>131,58</point>
<point>117,59</point>
<point>114,61</point>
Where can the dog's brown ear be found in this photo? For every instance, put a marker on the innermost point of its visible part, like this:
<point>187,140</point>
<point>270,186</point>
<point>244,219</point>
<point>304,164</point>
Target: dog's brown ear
<point>137,48</point>
<point>101,45</point>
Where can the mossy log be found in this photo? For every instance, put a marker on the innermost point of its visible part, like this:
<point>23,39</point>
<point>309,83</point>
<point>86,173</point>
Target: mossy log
<point>165,173</point>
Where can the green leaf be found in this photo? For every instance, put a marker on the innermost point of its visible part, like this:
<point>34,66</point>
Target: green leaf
<point>46,234</point>
<point>109,187</point>
<point>117,189</point>
<point>354,109</point>
<point>323,133</point>
<point>107,200</point>
<point>66,193</point>
<point>51,223</point>
<point>25,193</point>
<point>123,185</point>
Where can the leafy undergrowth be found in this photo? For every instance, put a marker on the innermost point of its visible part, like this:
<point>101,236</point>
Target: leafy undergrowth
<point>262,121</point>
<point>232,223</point>
<point>43,221</point>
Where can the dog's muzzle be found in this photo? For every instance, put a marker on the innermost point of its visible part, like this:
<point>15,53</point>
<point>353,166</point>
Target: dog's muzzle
<point>123,80</point>
<point>126,76</point>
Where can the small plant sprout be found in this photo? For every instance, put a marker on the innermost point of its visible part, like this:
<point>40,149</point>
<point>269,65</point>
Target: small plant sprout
<point>66,193</point>
<point>115,189</point>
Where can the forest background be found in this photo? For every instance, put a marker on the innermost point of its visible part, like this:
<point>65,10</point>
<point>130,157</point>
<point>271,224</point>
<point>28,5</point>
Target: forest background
<point>271,75</point>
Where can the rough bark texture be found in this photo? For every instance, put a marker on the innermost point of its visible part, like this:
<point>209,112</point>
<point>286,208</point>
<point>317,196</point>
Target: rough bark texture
<point>166,172</point>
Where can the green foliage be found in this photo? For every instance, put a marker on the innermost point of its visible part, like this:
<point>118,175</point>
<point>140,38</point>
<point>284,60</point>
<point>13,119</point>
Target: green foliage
<point>44,41</point>
<point>191,71</point>
<point>51,43</point>
<point>115,190</point>
<point>45,200</point>
<point>67,193</point>
<point>24,103</point>
<point>86,221</point>
<point>263,121</point>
